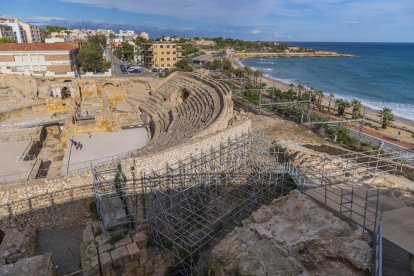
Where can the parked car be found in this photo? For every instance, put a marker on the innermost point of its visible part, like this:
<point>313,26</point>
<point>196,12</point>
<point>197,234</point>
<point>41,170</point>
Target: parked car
<point>133,70</point>
<point>154,70</point>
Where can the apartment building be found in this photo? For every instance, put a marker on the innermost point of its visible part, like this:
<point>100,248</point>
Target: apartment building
<point>162,54</point>
<point>7,31</point>
<point>18,31</point>
<point>32,32</point>
<point>47,59</point>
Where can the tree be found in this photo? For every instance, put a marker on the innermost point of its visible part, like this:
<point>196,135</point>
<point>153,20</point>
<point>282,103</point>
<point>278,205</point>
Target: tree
<point>256,75</point>
<point>247,72</point>
<point>387,117</point>
<point>300,88</point>
<point>98,40</point>
<point>184,65</point>
<point>356,109</point>
<point>90,58</point>
<point>320,95</point>
<point>140,39</point>
<point>7,40</point>
<point>227,65</point>
<point>112,35</point>
<point>51,29</point>
<point>331,96</point>
<point>342,106</point>
<point>125,52</point>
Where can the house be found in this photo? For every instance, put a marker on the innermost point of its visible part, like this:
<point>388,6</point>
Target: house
<point>43,59</point>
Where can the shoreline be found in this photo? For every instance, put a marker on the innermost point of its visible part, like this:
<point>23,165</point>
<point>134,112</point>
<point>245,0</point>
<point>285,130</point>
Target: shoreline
<point>289,54</point>
<point>371,114</point>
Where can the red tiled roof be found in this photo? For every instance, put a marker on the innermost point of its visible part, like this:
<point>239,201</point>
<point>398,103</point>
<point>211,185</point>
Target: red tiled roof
<point>43,47</point>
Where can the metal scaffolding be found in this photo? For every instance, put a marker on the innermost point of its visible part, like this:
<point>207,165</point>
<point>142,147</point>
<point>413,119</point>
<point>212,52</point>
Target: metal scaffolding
<point>193,204</point>
<point>189,205</point>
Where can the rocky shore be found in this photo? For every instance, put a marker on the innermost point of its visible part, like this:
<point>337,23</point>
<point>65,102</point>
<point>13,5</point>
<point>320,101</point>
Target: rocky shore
<point>290,54</point>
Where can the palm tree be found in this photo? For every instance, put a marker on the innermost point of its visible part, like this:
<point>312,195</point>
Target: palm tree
<point>320,96</point>
<point>247,72</point>
<point>342,105</point>
<point>260,76</point>
<point>331,96</point>
<point>256,74</point>
<point>386,117</point>
<point>300,87</point>
<point>356,108</point>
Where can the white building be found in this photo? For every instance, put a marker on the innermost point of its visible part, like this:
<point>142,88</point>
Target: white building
<point>55,39</point>
<point>32,32</point>
<point>18,30</point>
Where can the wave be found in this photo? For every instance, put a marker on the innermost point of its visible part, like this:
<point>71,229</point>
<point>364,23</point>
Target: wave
<point>239,62</point>
<point>285,81</point>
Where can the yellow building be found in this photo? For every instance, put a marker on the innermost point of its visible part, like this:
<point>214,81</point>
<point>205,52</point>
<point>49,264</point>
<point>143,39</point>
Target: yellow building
<point>162,54</point>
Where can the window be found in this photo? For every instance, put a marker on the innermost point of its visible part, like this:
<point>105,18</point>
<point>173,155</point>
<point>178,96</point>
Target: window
<point>174,59</point>
<point>162,65</point>
<point>162,59</point>
<point>168,58</point>
<point>162,53</point>
<point>168,46</point>
<point>168,53</point>
<point>173,46</point>
<point>161,46</point>
<point>168,65</point>
<point>174,53</point>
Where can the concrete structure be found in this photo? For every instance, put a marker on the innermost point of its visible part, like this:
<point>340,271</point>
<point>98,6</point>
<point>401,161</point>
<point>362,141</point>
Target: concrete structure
<point>204,42</point>
<point>162,54</point>
<point>7,31</point>
<point>32,32</point>
<point>55,39</point>
<point>38,58</point>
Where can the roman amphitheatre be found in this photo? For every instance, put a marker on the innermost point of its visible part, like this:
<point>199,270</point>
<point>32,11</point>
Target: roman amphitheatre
<point>177,176</point>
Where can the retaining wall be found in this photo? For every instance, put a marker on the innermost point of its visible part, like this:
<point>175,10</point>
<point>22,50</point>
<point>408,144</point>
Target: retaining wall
<point>53,203</point>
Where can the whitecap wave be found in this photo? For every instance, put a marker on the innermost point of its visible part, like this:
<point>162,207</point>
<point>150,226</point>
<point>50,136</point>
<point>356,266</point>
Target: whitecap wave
<point>285,81</point>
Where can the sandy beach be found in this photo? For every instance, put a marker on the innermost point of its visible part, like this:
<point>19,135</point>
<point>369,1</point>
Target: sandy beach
<point>401,125</point>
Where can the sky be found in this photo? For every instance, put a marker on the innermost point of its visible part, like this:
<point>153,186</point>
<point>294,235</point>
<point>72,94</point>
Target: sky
<point>270,20</point>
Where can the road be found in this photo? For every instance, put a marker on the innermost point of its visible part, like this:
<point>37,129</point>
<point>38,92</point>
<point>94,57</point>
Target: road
<point>116,70</point>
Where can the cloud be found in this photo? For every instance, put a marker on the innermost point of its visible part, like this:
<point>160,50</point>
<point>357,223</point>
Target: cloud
<point>47,18</point>
<point>256,31</point>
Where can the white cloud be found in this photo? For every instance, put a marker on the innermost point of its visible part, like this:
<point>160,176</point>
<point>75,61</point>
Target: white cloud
<point>47,18</point>
<point>256,31</point>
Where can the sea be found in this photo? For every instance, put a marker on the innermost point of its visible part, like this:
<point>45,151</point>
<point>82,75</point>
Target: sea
<point>380,74</point>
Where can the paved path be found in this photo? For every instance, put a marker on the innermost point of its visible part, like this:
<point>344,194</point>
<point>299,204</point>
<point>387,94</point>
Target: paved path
<point>392,142</point>
<point>397,218</point>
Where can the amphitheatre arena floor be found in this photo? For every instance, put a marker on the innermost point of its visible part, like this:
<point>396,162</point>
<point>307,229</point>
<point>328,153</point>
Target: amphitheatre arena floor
<point>100,147</point>
<point>9,164</point>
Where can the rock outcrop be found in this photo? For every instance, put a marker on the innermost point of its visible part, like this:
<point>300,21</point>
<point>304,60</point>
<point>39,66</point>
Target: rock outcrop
<point>292,236</point>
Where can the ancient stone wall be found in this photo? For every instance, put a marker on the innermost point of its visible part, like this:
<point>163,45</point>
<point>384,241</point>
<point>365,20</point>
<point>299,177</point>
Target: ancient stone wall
<point>49,203</point>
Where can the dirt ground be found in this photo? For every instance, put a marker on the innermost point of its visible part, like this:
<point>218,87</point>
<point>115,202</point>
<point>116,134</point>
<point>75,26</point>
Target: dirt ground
<point>64,244</point>
<point>279,129</point>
